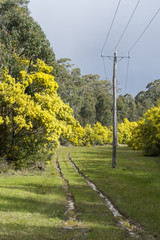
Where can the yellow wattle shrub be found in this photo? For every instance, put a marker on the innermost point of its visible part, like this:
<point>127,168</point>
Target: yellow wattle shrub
<point>125,130</point>
<point>146,135</point>
<point>32,115</point>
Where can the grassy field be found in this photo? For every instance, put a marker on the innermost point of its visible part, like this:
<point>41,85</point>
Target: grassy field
<point>33,205</point>
<point>133,187</point>
<point>91,211</point>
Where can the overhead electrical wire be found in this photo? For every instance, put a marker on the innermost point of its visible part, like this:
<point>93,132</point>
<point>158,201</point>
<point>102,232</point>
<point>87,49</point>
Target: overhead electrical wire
<point>122,37</point>
<point>137,42</point>
<point>143,32</point>
<point>133,46</point>
<point>108,37</point>
<point>110,28</point>
<point>104,68</point>
<point>127,73</point>
<point>127,24</point>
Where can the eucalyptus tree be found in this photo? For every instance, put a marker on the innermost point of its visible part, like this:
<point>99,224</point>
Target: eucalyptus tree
<point>21,37</point>
<point>126,108</point>
<point>147,99</point>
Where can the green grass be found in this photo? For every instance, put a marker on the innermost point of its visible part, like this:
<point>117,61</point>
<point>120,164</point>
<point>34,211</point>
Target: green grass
<point>133,187</point>
<point>92,213</point>
<point>33,205</point>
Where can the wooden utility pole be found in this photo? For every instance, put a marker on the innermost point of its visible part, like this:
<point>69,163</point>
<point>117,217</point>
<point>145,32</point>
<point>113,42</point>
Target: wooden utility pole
<point>115,135</point>
<point>115,139</point>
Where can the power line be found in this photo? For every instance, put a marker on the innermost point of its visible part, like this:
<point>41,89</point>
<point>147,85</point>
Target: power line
<point>144,31</point>
<point>110,27</point>
<point>128,23</point>
<point>137,41</point>
<point>127,72</point>
<point>136,44</point>
<point>104,68</point>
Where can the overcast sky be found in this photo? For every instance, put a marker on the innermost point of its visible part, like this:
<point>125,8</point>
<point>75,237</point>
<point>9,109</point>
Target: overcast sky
<point>77,29</point>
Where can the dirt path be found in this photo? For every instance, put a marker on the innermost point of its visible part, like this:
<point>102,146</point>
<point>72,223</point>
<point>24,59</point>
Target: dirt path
<point>72,221</point>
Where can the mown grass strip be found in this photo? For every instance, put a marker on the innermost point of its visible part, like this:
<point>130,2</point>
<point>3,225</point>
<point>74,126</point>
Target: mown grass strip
<point>134,186</point>
<point>96,220</point>
<point>122,220</point>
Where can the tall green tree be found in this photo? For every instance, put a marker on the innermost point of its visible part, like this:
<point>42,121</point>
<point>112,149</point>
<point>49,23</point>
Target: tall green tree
<point>21,37</point>
<point>103,93</point>
<point>126,108</point>
<point>147,99</point>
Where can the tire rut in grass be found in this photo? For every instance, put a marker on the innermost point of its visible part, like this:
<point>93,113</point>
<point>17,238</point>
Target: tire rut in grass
<point>72,221</point>
<point>133,230</point>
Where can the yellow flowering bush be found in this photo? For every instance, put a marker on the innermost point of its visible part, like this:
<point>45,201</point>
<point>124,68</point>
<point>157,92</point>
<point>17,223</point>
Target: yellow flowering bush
<point>146,135</point>
<point>101,134</point>
<point>88,138</point>
<point>77,134</point>
<point>1,120</point>
<point>32,115</point>
<point>125,130</point>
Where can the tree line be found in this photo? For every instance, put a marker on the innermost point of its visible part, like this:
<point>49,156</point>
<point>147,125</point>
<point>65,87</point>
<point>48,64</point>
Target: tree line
<point>45,101</point>
<point>88,95</point>
<point>91,98</point>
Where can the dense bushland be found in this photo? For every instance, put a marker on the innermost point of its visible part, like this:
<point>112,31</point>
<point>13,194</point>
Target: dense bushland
<point>89,96</point>
<point>44,101</point>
